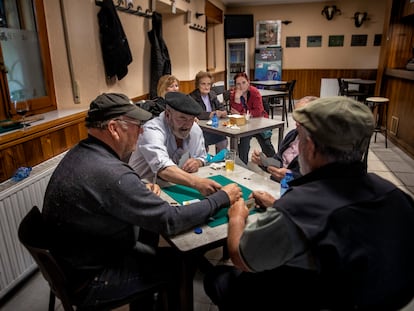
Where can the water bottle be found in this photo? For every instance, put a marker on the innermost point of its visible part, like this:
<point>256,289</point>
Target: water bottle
<point>284,182</point>
<point>214,121</point>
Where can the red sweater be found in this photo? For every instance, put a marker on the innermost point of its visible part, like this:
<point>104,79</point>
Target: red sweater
<point>254,103</point>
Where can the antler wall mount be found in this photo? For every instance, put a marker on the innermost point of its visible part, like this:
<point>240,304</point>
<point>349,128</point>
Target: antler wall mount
<point>329,11</point>
<point>360,18</point>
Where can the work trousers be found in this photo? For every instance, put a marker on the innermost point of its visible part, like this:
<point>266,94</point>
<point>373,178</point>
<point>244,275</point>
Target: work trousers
<point>265,144</point>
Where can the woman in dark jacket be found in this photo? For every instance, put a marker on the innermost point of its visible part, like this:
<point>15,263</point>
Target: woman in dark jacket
<point>208,101</point>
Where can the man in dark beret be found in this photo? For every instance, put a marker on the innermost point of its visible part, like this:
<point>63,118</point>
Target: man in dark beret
<point>172,146</point>
<point>97,209</point>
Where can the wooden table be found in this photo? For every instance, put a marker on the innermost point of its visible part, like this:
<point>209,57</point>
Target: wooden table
<point>360,81</point>
<point>366,87</point>
<point>192,245</point>
<point>252,126</point>
<point>270,93</point>
<point>268,83</point>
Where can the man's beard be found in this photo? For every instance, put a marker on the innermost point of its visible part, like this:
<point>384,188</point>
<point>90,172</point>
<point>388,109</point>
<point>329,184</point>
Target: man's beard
<point>182,134</point>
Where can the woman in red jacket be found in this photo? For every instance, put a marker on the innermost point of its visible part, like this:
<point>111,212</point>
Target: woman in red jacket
<point>245,97</point>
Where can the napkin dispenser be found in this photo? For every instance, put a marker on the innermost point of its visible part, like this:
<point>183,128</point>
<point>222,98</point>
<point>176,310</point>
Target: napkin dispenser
<point>236,119</point>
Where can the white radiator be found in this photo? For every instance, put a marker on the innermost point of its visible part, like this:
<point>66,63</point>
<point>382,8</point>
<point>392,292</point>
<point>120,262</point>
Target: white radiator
<point>16,199</point>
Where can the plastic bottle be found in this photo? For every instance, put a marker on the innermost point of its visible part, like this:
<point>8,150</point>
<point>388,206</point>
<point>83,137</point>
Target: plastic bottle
<point>284,182</point>
<point>214,121</point>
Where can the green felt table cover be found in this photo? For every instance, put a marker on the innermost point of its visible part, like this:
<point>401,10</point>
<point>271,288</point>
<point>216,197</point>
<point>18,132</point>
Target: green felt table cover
<point>181,193</point>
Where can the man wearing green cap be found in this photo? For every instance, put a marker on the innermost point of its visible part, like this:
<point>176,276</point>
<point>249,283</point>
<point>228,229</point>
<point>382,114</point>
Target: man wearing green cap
<point>339,238</point>
<point>98,210</point>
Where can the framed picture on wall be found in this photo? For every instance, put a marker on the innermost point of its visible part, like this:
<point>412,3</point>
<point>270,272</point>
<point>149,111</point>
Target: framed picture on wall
<point>336,40</point>
<point>359,40</point>
<point>268,33</point>
<point>293,42</point>
<point>314,41</point>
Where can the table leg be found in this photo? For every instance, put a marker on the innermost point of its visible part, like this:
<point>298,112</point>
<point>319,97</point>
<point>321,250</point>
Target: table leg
<point>234,141</point>
<point>188,269</point>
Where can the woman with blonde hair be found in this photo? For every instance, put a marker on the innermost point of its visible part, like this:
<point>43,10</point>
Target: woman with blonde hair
<point>167,83</point>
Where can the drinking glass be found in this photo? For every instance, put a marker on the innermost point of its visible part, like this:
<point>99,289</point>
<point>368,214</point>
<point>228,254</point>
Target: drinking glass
<point>229,159</point>
<point>22,108</point>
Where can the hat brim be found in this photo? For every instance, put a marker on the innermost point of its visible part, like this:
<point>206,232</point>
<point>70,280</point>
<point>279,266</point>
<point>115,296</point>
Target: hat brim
<point>138,113</point>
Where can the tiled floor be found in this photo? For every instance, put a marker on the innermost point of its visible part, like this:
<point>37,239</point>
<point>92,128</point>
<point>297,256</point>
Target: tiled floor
<point>390,163</point>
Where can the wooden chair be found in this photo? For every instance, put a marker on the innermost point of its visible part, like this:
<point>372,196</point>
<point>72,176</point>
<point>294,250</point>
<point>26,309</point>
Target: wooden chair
<point>284,100</point>
<point>279,101</point>
<point>33,234</point>
<point>226,100</point>
<point>344,90</point>
<point>291,86</point>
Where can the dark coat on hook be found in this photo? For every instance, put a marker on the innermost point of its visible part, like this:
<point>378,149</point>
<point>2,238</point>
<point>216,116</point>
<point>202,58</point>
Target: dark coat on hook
<point>160,58</point>
<point>114,44</point>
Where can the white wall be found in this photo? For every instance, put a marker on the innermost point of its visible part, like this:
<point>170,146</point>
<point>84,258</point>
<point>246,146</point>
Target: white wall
<point>188,47</point>
<point>307,20</point>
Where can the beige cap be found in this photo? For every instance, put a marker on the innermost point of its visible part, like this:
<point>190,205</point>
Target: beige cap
<point>338,122</point>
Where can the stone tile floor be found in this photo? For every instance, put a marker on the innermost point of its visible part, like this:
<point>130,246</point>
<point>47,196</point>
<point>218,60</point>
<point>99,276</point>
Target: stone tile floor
<point>390,163</point>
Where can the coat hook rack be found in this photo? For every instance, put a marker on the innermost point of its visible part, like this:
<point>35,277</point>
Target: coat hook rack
<point>128,8</point>
<point>198,27</point>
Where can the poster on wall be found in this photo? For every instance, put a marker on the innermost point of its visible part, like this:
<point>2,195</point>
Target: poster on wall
<point>268,33</point>
<point>268,63</point>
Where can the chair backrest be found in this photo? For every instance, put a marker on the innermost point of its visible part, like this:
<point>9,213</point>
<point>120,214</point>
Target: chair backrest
<point>33,234</point>
<point>226,100</point>
<point>341,90</point>
<point>291,87</point>
<point>218,89</point>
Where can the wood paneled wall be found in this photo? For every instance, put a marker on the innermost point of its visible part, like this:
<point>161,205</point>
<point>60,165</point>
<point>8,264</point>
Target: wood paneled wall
<point>400,111</point>
<point>394,82</point>
<point>39,143</point>
<point>308,81</point>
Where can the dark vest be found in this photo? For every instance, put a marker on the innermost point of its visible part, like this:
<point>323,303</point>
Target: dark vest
<point>361,233</point>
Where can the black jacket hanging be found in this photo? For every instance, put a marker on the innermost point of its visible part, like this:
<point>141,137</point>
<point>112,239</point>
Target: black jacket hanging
<point>115,49</point>
<point>160,59</point>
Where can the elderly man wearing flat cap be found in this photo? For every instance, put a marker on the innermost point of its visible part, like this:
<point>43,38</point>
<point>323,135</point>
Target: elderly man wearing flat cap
<point>339,239</point>
<point>172,146</point>
<point>97,208</point>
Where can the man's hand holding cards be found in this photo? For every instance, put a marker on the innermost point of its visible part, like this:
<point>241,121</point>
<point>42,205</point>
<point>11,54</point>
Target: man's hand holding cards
<point>269,161</point>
